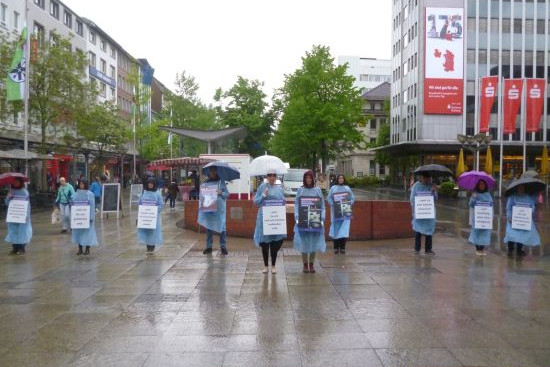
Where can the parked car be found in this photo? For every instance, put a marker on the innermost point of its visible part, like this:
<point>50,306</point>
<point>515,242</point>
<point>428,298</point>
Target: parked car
<point>293,180</point>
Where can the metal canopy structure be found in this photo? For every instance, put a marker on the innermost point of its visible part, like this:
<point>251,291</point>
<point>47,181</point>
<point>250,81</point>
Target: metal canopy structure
<point>208,136</point>
<point>180,162</point>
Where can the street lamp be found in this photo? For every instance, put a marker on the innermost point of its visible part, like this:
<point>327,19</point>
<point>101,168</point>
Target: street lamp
<point>475,144</point>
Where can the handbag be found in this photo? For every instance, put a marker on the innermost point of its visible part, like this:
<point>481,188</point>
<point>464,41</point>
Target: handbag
<point>55,216</point>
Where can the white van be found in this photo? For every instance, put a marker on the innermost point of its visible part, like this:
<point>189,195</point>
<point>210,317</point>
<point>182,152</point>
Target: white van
<point>293,180</point>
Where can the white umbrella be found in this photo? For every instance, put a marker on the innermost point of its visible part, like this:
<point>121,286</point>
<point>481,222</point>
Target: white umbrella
<point>265,164</point>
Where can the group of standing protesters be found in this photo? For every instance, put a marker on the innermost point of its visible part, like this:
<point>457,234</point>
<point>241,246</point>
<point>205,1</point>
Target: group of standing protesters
<point>308,243</point>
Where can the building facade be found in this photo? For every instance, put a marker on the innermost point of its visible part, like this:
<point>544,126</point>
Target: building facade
<point>368,72</point>
<point>461,41</point>
<point>361,162</point>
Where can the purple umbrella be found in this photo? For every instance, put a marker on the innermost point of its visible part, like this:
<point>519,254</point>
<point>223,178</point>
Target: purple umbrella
<point>469,180</point>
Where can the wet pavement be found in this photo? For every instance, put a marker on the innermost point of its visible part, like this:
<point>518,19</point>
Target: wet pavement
<point>378,305</point>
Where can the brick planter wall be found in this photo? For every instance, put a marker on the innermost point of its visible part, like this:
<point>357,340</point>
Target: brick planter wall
<point>372,220</point>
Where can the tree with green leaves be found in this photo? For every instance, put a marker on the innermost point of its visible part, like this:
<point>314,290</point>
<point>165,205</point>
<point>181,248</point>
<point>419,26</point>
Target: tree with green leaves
<point>59,90</point>
<point>321,112</point>
<point>185,110</point>
<point>104,130</point>
<point>244,105</point>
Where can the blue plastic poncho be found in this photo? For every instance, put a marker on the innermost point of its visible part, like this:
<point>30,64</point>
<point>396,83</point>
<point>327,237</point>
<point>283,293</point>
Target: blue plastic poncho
<point>480,237</point>
<point>308,242</point>
<point>424,226</point>
<point>19,233</point>
<point>273,193</point>
<point>215,221</point>
<point>528,238</point>
<point>152,237</point>
<point>85,236</point>
<point>340,228</point>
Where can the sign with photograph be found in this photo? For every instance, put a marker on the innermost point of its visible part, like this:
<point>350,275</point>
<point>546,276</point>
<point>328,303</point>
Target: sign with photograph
<point>342,206</point>
<point>208,199</point>
<point>309,213</point>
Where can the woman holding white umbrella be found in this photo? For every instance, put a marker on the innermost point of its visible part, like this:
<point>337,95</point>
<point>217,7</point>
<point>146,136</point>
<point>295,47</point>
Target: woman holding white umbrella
<point>268,193</point>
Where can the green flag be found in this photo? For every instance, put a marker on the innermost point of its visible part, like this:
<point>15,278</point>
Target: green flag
<point>15,83</point>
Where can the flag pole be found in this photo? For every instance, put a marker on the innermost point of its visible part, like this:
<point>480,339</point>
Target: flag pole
<point>134,136</point>
<point>501,137</point>
<point>171,137</point>
<point>27,91</point>
<point>524,123</point>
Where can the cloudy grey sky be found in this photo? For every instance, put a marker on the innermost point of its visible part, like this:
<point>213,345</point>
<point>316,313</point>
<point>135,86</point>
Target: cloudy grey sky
<point>217,40</point>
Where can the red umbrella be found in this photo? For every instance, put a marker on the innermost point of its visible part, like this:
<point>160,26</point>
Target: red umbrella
<point>9,178</point>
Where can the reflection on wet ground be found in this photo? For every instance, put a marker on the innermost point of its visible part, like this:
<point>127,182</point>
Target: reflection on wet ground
<point>378,305</point>
<point>453,216</point>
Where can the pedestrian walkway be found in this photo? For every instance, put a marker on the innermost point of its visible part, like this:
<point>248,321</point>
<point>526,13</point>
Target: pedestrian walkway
<point>378,305</point>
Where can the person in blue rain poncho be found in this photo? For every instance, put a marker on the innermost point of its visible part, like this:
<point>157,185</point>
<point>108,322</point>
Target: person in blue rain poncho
<point>84,237</point>
<point>480,237</point>
<point>305,241</point>
<point>339,227</point>
<point>152,238</point>
<point>269,243</point>
<point>424,227</point>
<point>214,221</point>
<point>19,234</point>
<point>520,237</point>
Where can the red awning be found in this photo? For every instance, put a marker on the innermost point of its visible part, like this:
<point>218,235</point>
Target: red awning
<point>181,162</point>
<point>158,167</point>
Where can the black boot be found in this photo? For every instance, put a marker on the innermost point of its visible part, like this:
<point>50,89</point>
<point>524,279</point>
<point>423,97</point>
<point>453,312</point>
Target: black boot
<point>510,249</point>
<point>520,251</point>
<point>87,252</point>
<point>150,249</point>
<point>336,246</point>
<point>13,249</point>
<point>343,248</point>
<point>79,250</point>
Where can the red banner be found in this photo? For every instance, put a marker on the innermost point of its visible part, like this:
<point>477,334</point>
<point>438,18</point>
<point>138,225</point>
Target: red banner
<point>535,103</point>
<point>513,89</point>
<point>489,86</point>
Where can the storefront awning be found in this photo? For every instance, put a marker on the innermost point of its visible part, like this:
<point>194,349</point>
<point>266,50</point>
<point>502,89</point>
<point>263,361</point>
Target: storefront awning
<point>181,162</point>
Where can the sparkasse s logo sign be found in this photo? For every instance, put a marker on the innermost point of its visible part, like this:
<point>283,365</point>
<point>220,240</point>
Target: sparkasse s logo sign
<point>513,93</point>
<point>490,91</point>
<point>535,92</point>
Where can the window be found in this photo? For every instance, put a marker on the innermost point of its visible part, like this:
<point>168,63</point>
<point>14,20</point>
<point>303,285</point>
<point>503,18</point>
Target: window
<point>102,44</point>
<point>16,20</point>
<point>506,25</point>
<point>3,15</point>
<point>113,94</point>
<point>517,25</point>
<point>103,89</point>
<point>405,67</point>
<point>113,72</point>
<point>103,66</point>
<point>364,77</point>
<point>382,169</point>
<point>91,59</point>
<point>54,9</point>
<point>40,3</point>
<point>79,28</point>
<point>405,41</point>
<point>38,32</point>
<point>68,19</point>
<point>373,124</point>
<point>92,37</point>
<point>113,52</point>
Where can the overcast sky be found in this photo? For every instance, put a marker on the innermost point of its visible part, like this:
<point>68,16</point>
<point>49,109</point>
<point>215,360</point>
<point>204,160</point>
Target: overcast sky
<point>218,40</point>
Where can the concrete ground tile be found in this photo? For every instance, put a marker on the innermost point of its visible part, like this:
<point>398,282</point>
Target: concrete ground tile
<point>210,359</point>
<point>35,359</point>
<point>322,341</point>
<point>496,357</point>
<point>263,359</point>
<point>135,359</point>
<point>341,358</point>
<point>428,357</point>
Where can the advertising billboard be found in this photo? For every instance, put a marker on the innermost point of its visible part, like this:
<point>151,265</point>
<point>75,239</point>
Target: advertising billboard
<point>444,61</point>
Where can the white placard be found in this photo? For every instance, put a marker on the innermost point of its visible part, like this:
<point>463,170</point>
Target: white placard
<point>522,217</point>
<point>274,217</point>
<point>17,210</point>
<point>80,215</point>
<point>147,215</point>
<point>483,215</point>
<point>424,206</point>
<point>136,190</point>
